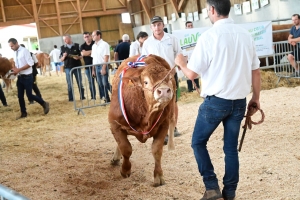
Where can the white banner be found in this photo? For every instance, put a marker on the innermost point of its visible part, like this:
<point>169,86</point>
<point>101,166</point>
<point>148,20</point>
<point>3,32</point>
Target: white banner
<point>260,31</point>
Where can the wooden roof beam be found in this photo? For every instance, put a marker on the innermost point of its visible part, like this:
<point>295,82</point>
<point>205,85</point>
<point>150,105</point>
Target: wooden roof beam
<point>122,3</point>
<point>146,8</point>
<point>102,13</point>
<point>175,6</point>
<point>24,7</point>
<point>36,18</point>
<point>17,22</point>
<point>103,5</point>
<point>85,4</point>
<point>38,12</point>
<point>50,27</point>
<point>3,12</point>
<point>71,25</point>
<point>180,7</point>
<point>58,17</point>
<point>79,15</point>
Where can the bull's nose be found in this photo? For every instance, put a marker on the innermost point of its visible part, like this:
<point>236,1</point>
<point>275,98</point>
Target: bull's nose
<point>161,92</point>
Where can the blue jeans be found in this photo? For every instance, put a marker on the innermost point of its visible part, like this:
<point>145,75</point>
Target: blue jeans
<point>78,78</point>
<point>212,112</point>
<point>91,80</point>
<point>24,83</point>
<point>103,83</point>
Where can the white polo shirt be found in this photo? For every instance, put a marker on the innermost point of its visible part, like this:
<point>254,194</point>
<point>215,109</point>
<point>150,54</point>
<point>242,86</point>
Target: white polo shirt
<point>135,49</point>
<point>167,48</point>
<point>22,57</point>
<point>224,57</point>
<point>99,50</point>
<point>55,53</point>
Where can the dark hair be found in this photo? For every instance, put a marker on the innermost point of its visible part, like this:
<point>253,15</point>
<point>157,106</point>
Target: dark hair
<point>22,45</point>
<point>294,15</point>
<point>141,35</point>
<point>12,40</point>
<point>188,22</point>
<point>120,41</point>
<point>99,33</point>
<point>86,33</point>
<point>55,46</point>
<point>221,6</point>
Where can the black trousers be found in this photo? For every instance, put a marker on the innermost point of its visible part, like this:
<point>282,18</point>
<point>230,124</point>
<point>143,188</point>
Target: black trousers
<point>190,84</point>
<point>35,89</point>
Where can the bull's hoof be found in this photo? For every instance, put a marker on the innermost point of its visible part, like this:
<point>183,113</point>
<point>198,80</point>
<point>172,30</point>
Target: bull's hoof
<point>158,181</point>
<point>125,175</point>
<point>115,162</point>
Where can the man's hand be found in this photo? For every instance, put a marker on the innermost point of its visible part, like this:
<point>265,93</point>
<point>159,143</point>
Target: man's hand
<point>65,54</point>
<point>181,60</point>
<point>103,70</point>
<point>15,70</point>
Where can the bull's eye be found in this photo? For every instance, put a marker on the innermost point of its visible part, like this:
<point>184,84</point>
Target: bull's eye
<point>145,82</point>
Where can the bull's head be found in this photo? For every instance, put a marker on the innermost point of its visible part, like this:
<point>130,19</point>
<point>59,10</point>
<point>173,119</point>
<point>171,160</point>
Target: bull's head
<point>157,83</point>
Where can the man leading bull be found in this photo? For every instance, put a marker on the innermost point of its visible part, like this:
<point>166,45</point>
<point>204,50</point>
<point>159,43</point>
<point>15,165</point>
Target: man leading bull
<point>225,58</point>
<point>23,69</point>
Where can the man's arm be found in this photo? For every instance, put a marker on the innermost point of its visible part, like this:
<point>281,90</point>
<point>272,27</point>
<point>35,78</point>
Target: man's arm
<point>86,53</point>
<point>104,66</point>
<point>116,56</point>
<point>256,84</point>
<point>181,61</point>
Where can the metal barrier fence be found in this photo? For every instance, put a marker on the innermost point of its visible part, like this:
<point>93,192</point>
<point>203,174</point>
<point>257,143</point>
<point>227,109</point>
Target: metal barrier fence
<point>93,89</point>
<point>284,66</point>
<point>9,194</point>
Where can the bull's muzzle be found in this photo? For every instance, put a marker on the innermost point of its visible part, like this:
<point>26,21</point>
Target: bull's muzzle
<point>163,94</point>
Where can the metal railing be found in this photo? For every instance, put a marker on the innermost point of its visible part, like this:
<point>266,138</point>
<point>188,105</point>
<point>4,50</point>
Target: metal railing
<point>91,90</point>
<point>284,65</point>
<point>9,194</point>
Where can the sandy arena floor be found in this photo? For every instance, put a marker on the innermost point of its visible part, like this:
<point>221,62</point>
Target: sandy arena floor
<point>67,156</point>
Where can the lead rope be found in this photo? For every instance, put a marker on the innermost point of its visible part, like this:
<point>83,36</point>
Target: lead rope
<point>248,122</point>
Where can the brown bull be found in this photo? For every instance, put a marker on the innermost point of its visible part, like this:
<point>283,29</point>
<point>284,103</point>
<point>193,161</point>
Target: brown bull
<point>149,99</point>
<point>5,66</point>
<point>44,63</point>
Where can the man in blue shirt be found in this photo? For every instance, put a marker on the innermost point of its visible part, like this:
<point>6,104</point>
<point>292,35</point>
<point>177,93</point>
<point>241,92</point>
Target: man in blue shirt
<point>293,39</point>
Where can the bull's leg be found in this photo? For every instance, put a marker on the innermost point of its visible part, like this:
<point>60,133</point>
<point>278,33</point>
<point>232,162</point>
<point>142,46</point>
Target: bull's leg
<point>171,145</point>
<point>157,149</point>
<point>117,157</point>
<point>125,148</point>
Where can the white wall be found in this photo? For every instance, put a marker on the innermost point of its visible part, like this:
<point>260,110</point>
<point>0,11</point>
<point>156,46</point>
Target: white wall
<point>276,9</point>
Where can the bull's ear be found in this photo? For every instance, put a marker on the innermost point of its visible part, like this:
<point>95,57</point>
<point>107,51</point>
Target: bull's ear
<point>132,81</point>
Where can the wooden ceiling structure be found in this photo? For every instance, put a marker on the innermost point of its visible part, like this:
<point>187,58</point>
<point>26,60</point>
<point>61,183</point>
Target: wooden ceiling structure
<point>58,17</point>
<point>141,11</point>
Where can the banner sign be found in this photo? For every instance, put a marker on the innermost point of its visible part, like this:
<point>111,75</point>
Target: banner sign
<point>261,33</point>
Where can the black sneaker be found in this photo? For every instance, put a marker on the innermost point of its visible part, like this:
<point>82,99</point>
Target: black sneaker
<point>31,102</point>
<point>23,115</point>
<point>5,105</point>
<point>166,140</point>
<point>46,107</point>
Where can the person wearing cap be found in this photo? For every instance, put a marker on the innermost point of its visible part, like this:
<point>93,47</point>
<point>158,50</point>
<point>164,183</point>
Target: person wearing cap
<point>137,46</point>
<point>122,49</point>
<point>166,46</point>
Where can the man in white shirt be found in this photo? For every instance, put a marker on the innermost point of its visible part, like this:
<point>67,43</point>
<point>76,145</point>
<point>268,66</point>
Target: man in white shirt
<point>55,53</point>
<point>137,46</point>
<point>225,58</point>
<point>23,63</point>
<point>100,54</point>
<point>166,46</point>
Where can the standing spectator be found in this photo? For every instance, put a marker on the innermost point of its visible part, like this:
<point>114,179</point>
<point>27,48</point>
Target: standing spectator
<point>55,53</point>
<point>136,47</point>
<point>100,54</point>
<point>86,50</point>
<point>34,73</point>
<point>23,63</point>
<point>189,25</point>
<point>294,39</point>
<point>166,46</point>
<point>71,56</point>
<point>2,97</point>
<point>226,59</point>
<point>122,49</point>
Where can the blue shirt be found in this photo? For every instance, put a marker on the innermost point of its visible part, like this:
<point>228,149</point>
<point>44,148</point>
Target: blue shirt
<point>295,33</point>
